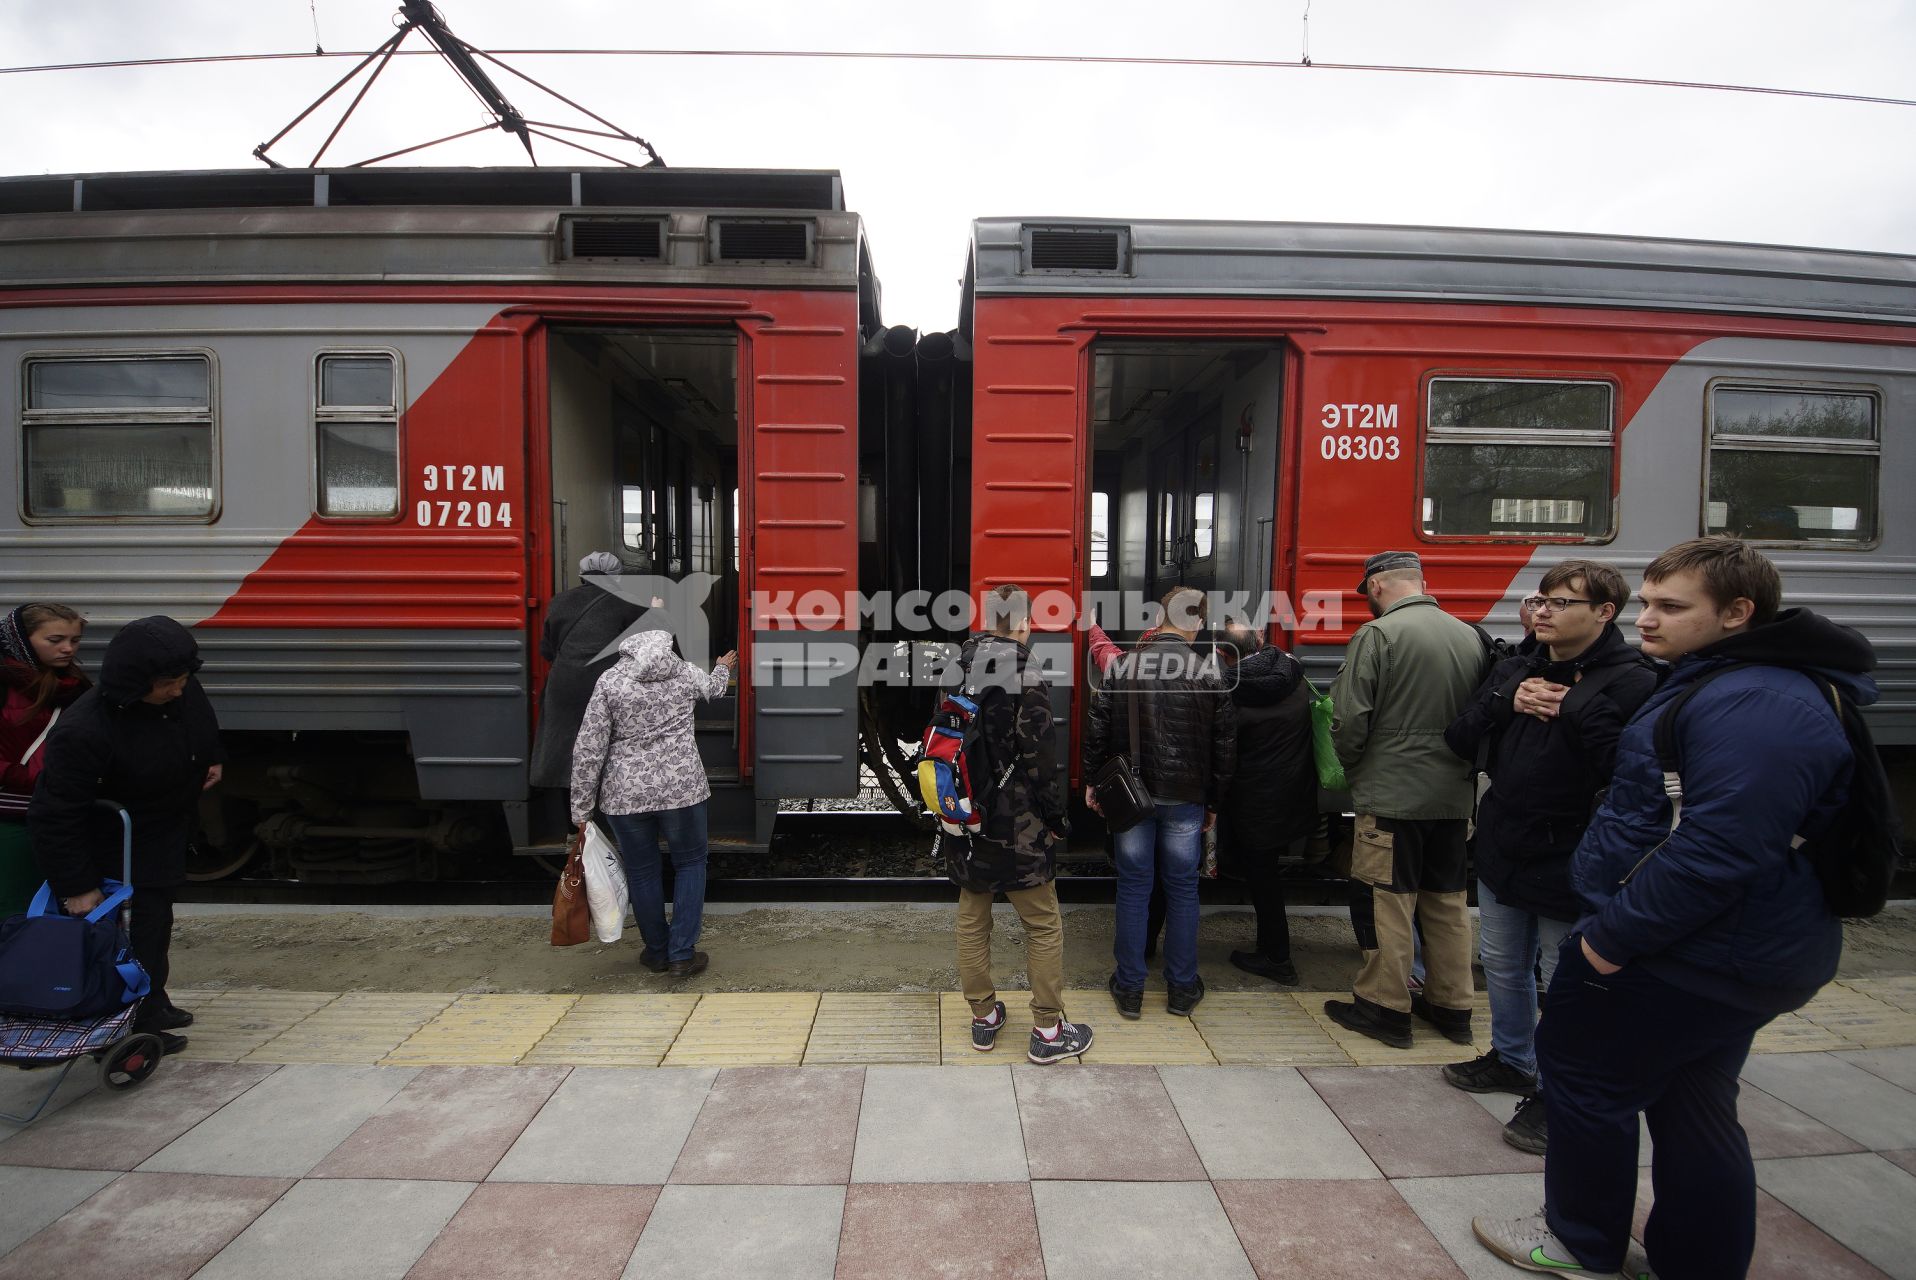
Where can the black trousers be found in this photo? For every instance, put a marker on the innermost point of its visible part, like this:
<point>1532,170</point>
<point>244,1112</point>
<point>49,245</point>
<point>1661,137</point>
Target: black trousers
<point>1609,1048</point>
<point>151,934</point>
<point>1266,890</point>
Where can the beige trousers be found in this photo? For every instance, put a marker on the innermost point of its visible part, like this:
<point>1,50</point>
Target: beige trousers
<point>1044,950</point>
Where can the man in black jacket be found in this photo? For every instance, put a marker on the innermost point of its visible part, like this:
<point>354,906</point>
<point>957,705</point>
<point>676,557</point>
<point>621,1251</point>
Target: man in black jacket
<point>146,738</point>
<point>1544,727</point>
<point>1185,755</point>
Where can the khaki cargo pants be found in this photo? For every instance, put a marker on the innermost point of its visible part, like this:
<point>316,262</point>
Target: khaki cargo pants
<point>1403,868</point>
<point>1044,950</point>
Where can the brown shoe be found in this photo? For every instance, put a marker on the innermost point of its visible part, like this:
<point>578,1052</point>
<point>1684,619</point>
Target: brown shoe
<point>686,968</point>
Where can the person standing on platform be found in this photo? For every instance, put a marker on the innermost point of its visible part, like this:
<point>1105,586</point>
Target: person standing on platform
<point>40,677</point>
<point>145,738</point>
<point>581,624</point>
<point>1022,821</point>
<point>1407,675</point>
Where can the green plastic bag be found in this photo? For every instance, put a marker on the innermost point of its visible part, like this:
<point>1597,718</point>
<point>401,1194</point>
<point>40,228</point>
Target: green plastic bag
<point>1330,771</point>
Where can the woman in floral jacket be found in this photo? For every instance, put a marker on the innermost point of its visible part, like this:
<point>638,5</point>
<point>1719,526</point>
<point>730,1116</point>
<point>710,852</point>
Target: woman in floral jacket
<point>636,761</point>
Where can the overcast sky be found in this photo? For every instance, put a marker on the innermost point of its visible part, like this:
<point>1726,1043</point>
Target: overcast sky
<point>924,147</point>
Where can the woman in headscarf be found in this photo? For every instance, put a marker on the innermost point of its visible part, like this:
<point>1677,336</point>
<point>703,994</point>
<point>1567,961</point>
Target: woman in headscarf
<point>637,762</point>
<point>581,624</point>
<point>40,677</point>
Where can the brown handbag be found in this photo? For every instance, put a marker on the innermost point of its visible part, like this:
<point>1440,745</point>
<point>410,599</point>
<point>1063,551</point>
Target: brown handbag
<point>571,913</point>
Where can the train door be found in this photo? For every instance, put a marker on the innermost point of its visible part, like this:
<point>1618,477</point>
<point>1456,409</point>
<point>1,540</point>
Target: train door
<point>1184,471</point>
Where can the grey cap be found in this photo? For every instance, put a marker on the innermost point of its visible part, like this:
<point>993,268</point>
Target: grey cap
<point>1384,561</point>
<point>601,562</point>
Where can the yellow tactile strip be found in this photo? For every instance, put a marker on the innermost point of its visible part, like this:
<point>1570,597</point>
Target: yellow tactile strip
<point>788,1028</point>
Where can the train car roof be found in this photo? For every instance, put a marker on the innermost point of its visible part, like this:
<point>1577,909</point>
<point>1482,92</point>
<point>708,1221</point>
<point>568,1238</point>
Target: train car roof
<point>1103,257</point>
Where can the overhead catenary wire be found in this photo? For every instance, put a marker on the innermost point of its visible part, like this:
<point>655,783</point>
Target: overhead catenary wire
<point>1052,59</point>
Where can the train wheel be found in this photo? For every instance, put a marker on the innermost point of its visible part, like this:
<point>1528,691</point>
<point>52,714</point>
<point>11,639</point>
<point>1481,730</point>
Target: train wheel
<point>129,1061</point>
<point>207,861</point>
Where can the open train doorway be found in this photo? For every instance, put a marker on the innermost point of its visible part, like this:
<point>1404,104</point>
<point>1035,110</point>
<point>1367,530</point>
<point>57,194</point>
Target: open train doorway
<point>1184,469</point>
<point>644,443</point>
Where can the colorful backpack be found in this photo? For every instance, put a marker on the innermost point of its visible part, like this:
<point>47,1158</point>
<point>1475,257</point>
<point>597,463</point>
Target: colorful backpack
<point>944,768</point>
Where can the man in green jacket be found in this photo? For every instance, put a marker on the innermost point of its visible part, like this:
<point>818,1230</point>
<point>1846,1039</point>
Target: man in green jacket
<point>1407,675</point>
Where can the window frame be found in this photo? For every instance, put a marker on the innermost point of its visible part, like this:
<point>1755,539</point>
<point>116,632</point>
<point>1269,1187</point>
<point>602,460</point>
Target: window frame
<point>1427,435</point>
<point>1871,448</point>
<point>321,413</point>
<point>29,418</point>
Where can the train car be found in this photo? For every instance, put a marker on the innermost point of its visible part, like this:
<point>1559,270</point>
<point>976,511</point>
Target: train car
<point>357,426</point>
<point>1256,407</point>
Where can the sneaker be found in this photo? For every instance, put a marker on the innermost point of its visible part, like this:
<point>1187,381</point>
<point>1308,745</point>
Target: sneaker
<point>1453,1023</point>
<point>1529,1243</point>
<point>686,968</point>
<point>1130,1003</point>
<point>1385,1025</point>
<point>1528,1130</point>
<point>1072,1040</point>
<point>1184,999</point>
<point>1256,962</point>
<point>1490,1074</point>
<point>984,1035</point>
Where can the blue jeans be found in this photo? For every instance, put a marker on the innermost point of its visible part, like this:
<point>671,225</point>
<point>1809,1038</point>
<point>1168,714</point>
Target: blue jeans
<point>684,832</point>
<point>1166,847</point>
<point>1507,942</point>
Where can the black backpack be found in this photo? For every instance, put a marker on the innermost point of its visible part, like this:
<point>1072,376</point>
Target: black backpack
<point>1855,856</point>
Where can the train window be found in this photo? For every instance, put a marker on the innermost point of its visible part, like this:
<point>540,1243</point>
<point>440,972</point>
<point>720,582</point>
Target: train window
<point>119,436</point>
<point>1100,533</point>
<point>356,424</point>
<point>1519,458</point>
<point>1793,464</point>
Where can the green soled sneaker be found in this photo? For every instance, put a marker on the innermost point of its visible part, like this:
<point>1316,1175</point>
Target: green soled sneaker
<point>1529,1243</point>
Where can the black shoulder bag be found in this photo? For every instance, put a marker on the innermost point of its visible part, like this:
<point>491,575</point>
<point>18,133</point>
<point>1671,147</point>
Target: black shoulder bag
<point>1120,792</point>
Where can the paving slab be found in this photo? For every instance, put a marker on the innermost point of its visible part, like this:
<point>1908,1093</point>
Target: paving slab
<point>939,1231</point>
<point>1103,1123</point>
<point>1898,1066</point>
<point>1121,1230</point>
<point>746,1029</point>
<point>284,1125</point>
<point>1898,990</point>
<point>1332,1231</point>
<point>607,1125</point>
<point>1393,1111</point>
<point>508,1230</point>
<point>228,1025</point>
<point>1502,1106</point>
<point>32,1198</point>
<point>613,1031</point>
<point>793,1126</point>
<point>1446,1206</point>
<point>1790,1247</point>
<point>21,1091</point>
<point>1256,1028</point>
<point>157,1226</point>
<point>1793,1033</point>
<point>1857,1103</point>
<point>109,1129</point>
<point>1262,1122</point>
<point>1155,1038</point>
<point>1863,1201</point>
<point>926,1124</point>
<point>740,1233</point>
<point>1901,1159</point>
<point>488,1030</point>
<point>449,1124</point>
<point>360,1026</point>
<point>341,1229</point>
<point>854,1027</point>
<point>1860,1018</point>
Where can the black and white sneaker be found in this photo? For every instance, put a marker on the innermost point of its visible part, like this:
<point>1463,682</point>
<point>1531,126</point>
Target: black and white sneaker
<point>1490,1074</point>
<point>1072,1040</point>
<point>984,1035</point>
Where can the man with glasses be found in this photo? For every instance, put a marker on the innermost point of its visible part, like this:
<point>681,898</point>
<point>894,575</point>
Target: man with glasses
<point>1543,727</point>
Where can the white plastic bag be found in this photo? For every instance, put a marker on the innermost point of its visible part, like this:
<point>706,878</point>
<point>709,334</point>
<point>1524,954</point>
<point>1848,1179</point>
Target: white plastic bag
<point>604,884</point>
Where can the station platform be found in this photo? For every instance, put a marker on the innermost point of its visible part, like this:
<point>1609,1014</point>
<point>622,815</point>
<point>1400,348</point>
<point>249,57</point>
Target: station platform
<point>797,1135</point>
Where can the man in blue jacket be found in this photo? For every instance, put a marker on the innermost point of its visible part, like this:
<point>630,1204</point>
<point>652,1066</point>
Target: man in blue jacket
<point>1694,935</point>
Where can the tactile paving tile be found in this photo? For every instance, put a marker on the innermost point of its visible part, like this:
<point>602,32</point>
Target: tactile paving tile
<point>613,1031</point>
<point>360,1026</point>
<point>858,1027</point>
<point>482,1031</point>
<point>1898,990</point>
<point>1428,1048</point>
<point>1861,1019</point>
<point>1792,1033</point>
<point>1259,1028</point>
<point>228,1025</point>
<point>735,1029</point>
<point>1156,1039</point>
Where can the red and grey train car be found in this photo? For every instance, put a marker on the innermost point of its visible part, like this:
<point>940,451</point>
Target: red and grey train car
<point>357,426</point>
<point>1256,408</point>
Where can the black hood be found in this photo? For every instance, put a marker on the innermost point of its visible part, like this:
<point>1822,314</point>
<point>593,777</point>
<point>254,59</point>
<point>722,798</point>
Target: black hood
<point>1799,638</point>
<point>1266,678</point>
<point>1609,649</point>
<point>143,651</point>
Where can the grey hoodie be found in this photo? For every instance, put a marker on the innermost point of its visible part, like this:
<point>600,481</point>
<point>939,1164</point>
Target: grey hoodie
<point>635,752</point>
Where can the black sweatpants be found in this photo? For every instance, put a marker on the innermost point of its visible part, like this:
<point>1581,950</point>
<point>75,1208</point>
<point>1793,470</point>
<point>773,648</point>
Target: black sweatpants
<point>1609,1048</point>
<point>151,933</point>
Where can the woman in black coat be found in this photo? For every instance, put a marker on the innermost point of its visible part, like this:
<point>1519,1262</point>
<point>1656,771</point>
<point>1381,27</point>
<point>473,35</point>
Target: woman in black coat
<point>1273,797</point>
<point>580,641</point>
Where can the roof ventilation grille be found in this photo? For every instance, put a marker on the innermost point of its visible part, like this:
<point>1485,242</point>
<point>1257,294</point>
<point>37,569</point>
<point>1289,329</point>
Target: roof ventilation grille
<point>615,238</point>
<point>760,240</point>
<point>1076,249</point>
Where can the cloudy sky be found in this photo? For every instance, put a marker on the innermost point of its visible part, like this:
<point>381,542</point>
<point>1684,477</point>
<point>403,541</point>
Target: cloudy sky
<point>926,146</point>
